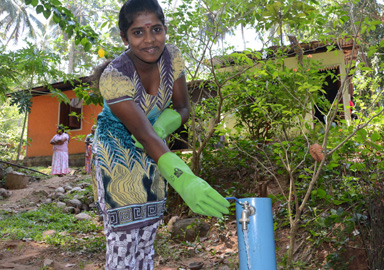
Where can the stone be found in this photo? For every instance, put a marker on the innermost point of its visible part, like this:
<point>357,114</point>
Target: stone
<point>60,190</point>
<point>67,187</point>
<point>61,204</point>
<point>5,193</point>
<point>40,193</point>
<point>85,207</point>
<point>49,232</point>
<point>48,262</point>
<point>83,216</point>
<point>49,200</point>
<point>70,210</point>
<point>16,180</point>
<point>75,203</point>
<point>75,189</point>
<point>188,229</point>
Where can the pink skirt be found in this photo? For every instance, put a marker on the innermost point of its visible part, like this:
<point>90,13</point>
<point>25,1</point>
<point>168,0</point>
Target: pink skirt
<point>59,163</point>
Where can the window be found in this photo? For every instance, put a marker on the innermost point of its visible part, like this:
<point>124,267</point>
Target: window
<point>74,107</point>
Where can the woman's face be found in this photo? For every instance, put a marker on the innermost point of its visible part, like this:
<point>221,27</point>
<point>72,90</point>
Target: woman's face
<point>146,37</point>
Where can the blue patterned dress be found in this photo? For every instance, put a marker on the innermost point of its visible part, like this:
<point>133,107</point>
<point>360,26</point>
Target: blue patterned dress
<point>130,190</point>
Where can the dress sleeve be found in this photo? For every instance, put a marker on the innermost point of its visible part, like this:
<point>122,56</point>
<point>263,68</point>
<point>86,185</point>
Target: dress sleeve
<point>177,61</point>
<point>116,87</point>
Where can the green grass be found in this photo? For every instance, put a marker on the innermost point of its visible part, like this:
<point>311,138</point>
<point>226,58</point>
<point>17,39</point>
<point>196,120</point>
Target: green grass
<point>71,234</point>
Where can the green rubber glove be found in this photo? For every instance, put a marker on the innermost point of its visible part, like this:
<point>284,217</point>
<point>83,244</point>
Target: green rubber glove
<point>168,121</point>
<point>196,193</point>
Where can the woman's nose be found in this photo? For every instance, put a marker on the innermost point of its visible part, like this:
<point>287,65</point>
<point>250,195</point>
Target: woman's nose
<point>148,38</point>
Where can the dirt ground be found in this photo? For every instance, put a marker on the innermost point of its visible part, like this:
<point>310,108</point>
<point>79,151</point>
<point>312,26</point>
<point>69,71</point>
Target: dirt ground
<point>215,251</point>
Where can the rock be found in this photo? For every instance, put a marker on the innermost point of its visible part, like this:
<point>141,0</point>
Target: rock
<point>75,203</point>
<point>48,263</point>
<point>61,204</point>
<point>8,170</point>
<point>83,216</point>
<point>171,222</point>
<point>67,187</point>
<point>85,185</point>
<point>15,180</point>
<point>60,190</point>
<point>70,210</point>
<point>42,194</point>
<point>75,189</point>
<point>49,232</point>
<point>5,193</point>
<point>60,196</point>
<point>89,200</point>
<point>85,207</point>
<point>49,200</point>
<point>188,229</point>
<point>196,265</point>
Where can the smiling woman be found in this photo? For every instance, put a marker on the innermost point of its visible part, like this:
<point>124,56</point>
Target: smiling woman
<point>132,162</point>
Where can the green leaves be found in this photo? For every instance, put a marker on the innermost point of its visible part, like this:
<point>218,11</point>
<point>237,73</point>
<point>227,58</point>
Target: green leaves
<point>23,100</point>
<point>66,20</point>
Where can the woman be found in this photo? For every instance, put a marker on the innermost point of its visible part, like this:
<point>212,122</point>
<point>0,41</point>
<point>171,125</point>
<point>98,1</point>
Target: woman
<point>88,149</point>
<point>60,152</point>
<point>132,157</point>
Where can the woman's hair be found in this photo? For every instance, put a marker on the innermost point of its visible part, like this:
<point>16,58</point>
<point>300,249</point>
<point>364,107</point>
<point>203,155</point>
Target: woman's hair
<point>61,127</point>
<point>131,8</point>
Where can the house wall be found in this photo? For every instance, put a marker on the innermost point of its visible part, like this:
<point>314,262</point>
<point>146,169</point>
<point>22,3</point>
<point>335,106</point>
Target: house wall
<point>43,121</point>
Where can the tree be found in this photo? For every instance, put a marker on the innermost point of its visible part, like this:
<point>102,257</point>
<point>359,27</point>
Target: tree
<point>282,98</point>
<point>35,67</point>
<point>17,19</point>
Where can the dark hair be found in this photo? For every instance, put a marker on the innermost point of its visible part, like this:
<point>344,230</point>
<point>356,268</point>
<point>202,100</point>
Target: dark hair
<point>131,8</point>
<point>61,127</point>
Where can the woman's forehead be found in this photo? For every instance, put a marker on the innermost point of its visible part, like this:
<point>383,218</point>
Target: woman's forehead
<point>145,19</point>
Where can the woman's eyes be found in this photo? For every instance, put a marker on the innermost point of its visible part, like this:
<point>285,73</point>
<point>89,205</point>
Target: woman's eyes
<point>141,32</point>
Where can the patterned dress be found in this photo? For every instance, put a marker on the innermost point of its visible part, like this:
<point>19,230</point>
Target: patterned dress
<point>131,192</point>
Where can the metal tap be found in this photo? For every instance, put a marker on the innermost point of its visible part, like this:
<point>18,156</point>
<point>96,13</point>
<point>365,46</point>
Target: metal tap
<point>248,211</point>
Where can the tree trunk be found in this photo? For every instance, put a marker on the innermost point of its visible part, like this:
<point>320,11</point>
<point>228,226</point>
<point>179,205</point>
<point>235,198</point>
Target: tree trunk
<point>292,241</point>
<point>243,37</point>
<point>21,137</point>
<point>71,58</point>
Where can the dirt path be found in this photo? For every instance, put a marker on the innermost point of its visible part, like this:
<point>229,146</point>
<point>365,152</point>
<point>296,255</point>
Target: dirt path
<point>25,198</point>
<point>29,255</point>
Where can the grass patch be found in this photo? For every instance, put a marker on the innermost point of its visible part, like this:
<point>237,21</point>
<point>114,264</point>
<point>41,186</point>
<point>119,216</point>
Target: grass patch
<point>71,234</point>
